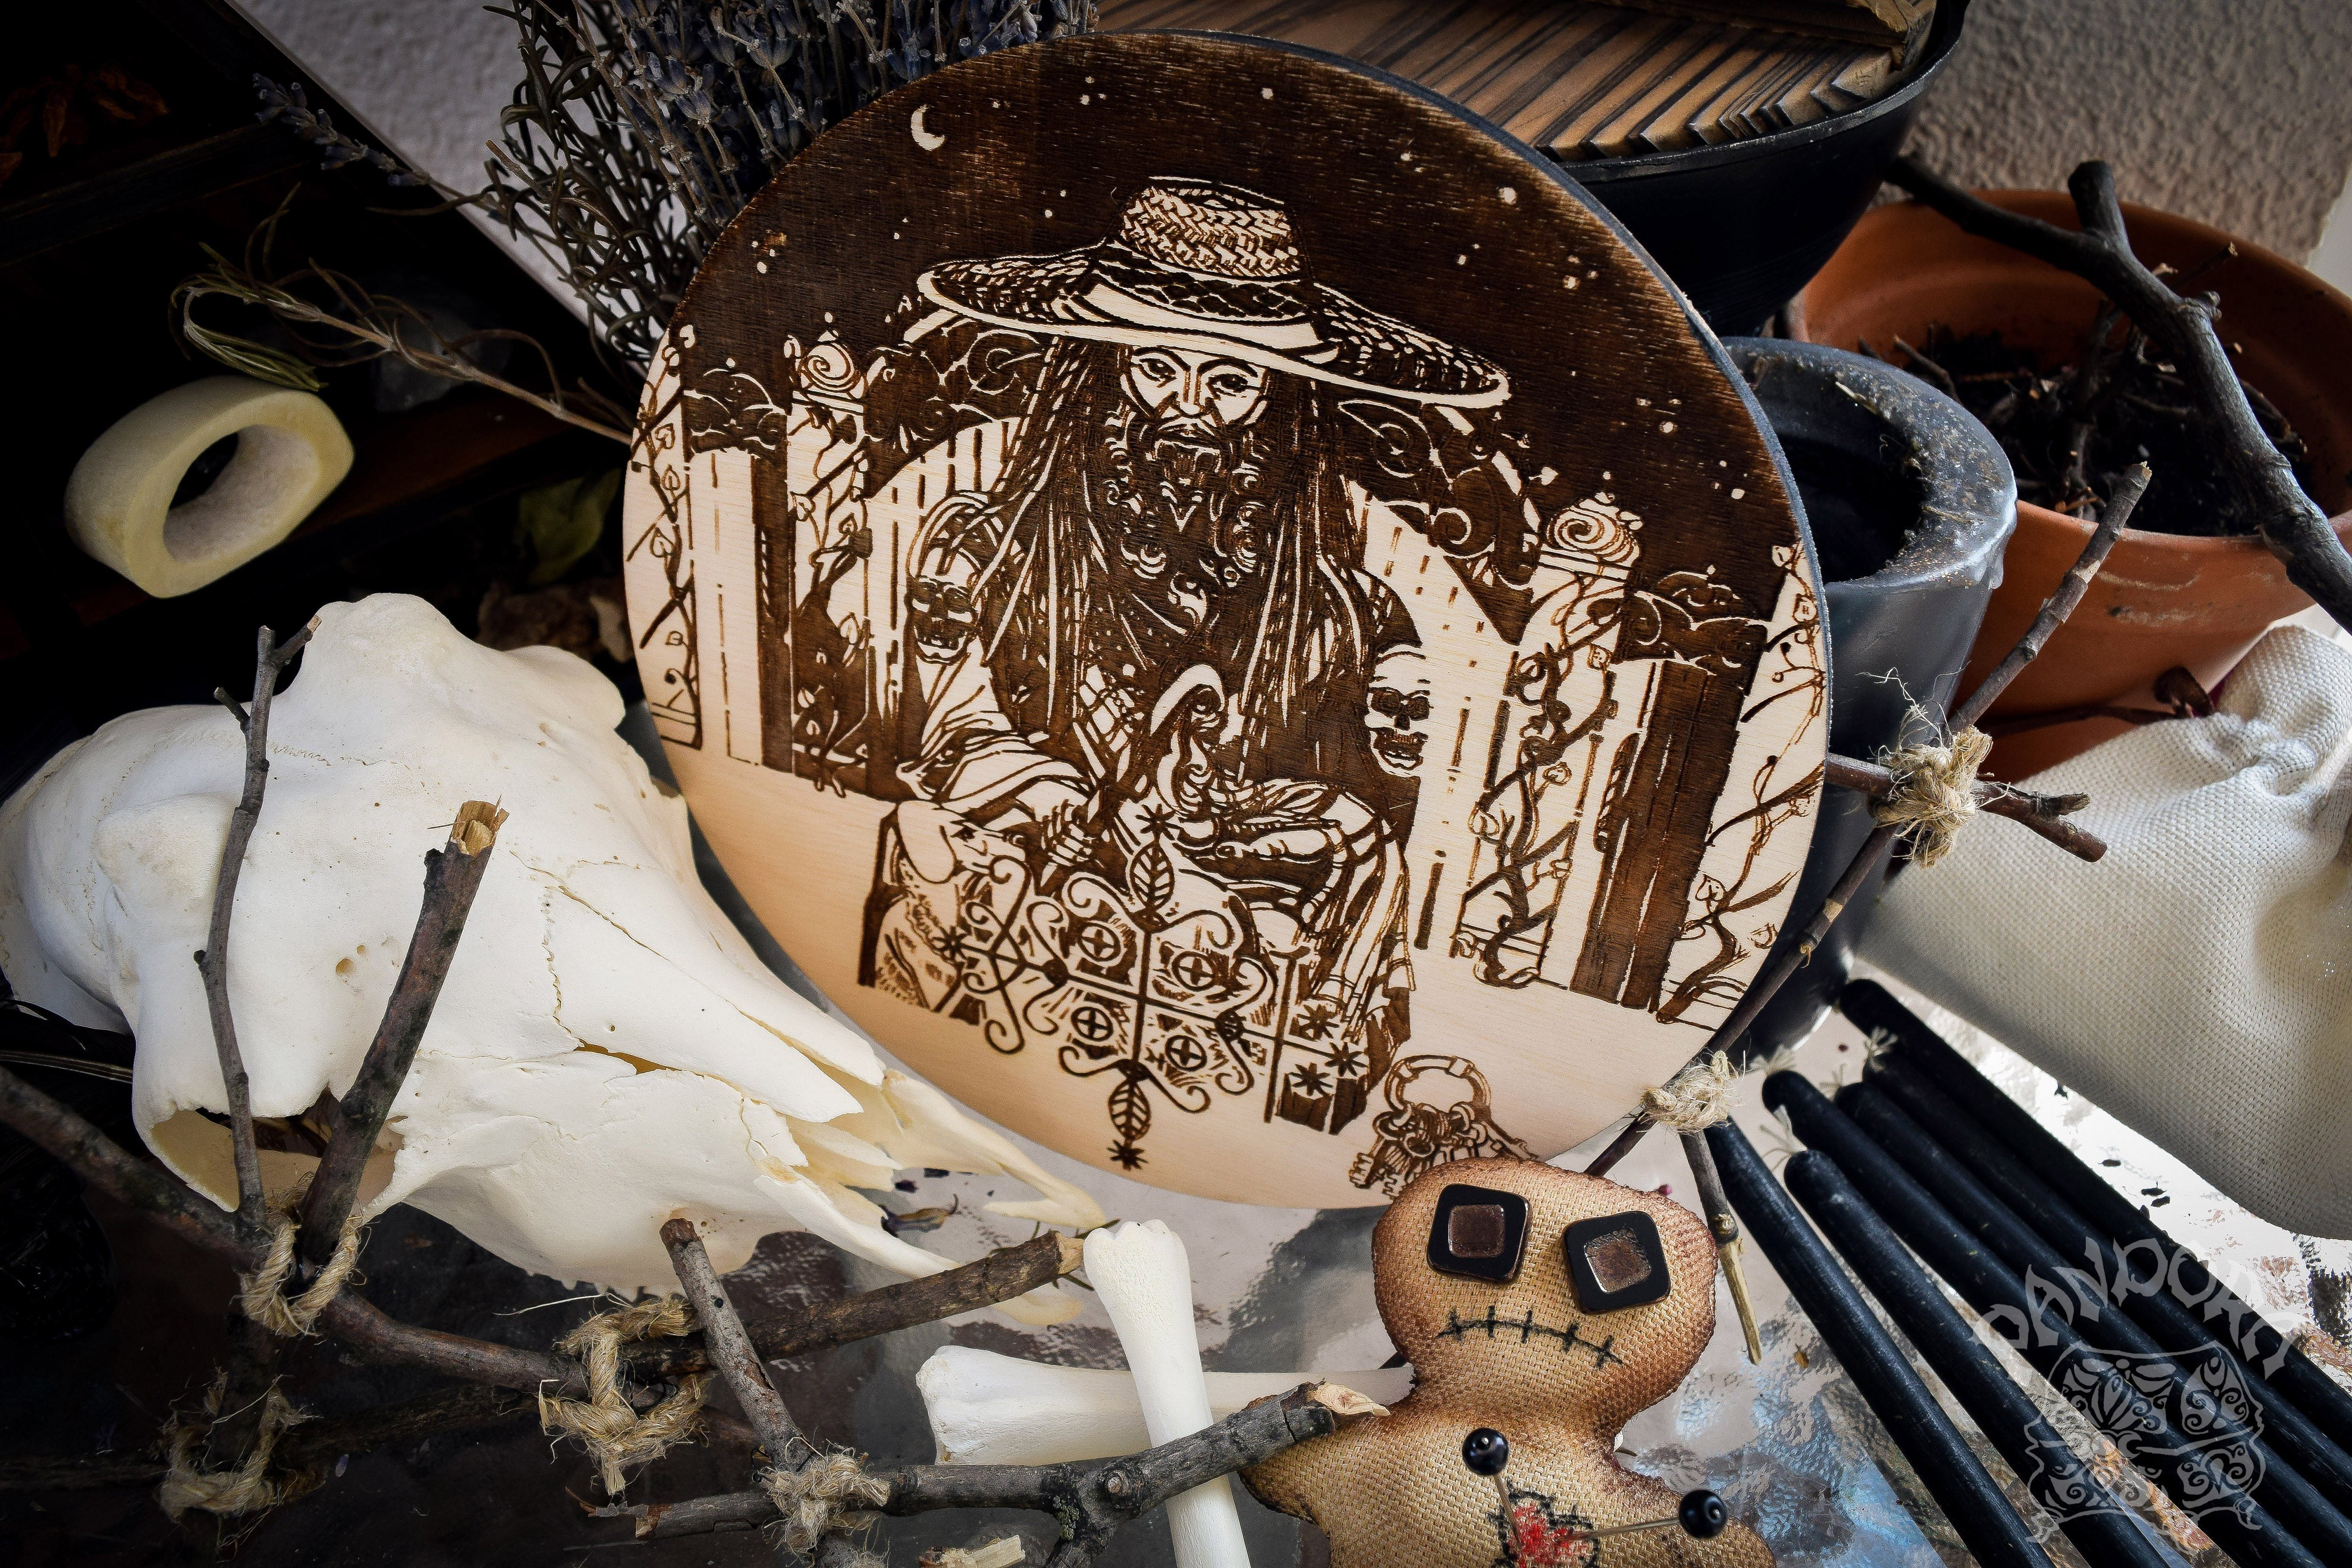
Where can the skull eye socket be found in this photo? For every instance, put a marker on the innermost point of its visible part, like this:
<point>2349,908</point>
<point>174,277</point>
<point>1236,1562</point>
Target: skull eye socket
<point>1617,1261</point>
<point>1478,1232</point>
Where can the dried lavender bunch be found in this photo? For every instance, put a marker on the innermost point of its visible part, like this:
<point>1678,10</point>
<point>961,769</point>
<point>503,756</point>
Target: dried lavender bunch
<point>316,126</point>
<point>641,127</point>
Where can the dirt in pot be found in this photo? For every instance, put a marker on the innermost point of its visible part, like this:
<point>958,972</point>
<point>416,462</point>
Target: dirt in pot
<point>2071,431</point>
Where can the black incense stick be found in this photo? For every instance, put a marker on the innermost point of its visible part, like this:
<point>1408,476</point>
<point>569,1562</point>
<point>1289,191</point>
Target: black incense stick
<point>2130,1277</point>
<point>1873,1008</point>
<point>2196,1479</point>
<point>1986,1523</point>
<point>2106,1533</point>
<point>2280,1487</point>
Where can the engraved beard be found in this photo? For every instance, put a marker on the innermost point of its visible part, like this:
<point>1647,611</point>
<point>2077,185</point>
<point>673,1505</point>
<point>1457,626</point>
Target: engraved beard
<point>1190,499</point>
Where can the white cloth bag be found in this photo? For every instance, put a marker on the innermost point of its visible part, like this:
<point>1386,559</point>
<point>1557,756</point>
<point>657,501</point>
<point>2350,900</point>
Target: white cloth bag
<point>2197,983</point>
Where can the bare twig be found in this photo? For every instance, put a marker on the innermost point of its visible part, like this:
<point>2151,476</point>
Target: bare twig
<point>2180,692</point>
<point>2044,814</point>
<point>1091,1499</point>
<point>2062,601</point>
<point>728,1347</point>
<point>1934,373</point>
<point>1003,1274</point>
<point>1787,961</point>
<point>452,875</point>
<point>270,660</point>
<point>2292,524</point>
<point>2022,724</point>
<point>61,1131</point>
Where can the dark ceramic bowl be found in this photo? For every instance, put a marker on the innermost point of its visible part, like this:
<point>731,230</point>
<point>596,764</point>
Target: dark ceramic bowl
<point>1743,226</point>
<point>1911,503</point>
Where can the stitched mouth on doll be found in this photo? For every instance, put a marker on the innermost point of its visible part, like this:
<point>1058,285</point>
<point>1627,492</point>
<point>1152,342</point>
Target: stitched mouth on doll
<point>1524,1329</point>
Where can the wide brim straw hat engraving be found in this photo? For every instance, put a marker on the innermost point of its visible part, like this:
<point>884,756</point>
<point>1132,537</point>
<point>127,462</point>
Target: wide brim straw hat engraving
<point>1200,265</point>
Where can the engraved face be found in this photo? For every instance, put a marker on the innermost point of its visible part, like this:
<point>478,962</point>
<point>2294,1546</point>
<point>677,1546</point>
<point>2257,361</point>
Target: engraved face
<point>1188,388</point>
<point>943,612</point>
<point>1396,710</point>
<point>1195,473</point>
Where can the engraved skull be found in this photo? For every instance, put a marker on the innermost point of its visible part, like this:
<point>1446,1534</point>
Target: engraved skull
<point>1397,710</point>
<point>942,607</point>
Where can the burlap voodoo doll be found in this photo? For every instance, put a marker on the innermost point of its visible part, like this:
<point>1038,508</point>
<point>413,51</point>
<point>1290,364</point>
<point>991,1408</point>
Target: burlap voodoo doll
<point>1541,1309</point>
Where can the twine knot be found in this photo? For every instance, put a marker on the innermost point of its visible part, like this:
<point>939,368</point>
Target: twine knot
<point>819,1497</point>
<point>1934,790</point>
<point>247,1489</point>
<point>263,1292</point>
<point>1694,1099</point>
<point>606,1423</point>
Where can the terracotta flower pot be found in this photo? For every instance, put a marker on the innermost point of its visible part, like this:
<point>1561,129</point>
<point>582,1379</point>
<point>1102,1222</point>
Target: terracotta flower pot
<point>2163,599</point>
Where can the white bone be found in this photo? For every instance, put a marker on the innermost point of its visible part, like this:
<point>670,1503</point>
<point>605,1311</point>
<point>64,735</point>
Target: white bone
<point>607,1053</point>
<point>290,453</point>
<point>1145,1281</point>
<point>992,1409</point>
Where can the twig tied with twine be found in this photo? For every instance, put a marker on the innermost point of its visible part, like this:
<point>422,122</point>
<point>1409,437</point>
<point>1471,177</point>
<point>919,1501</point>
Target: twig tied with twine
<point>248,1488</point>
<point>1929,797</point>
<point>1694,1099</point>
<point>1933,788</point>
<point>824,1494</point>
<point>616,1435</point>
<point>262,1292</point>
<point>248,1416</point>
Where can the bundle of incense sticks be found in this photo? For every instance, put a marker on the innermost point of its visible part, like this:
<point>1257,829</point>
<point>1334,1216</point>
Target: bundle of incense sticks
<point>2213,1479</point>
<point>2030,1150</point>
<point>2209,1402</point>
<point>1960,1483</point>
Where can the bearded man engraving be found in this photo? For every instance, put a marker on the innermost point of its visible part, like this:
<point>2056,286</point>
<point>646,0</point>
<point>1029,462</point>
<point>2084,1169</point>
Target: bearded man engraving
<point>1145,653</point>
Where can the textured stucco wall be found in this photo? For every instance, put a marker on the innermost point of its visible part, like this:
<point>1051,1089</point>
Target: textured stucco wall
<point>430,75</point>
<point>2238,112</point>
<point>426,76</point>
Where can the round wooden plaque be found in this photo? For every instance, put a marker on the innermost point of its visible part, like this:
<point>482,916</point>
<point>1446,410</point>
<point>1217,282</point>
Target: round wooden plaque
<point>1227,615</point>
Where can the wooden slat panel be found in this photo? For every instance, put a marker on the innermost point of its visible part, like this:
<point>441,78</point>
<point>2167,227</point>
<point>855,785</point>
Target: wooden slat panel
<point>1582,80</point>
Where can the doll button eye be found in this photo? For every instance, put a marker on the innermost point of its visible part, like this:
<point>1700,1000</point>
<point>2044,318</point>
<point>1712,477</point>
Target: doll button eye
<point>1478,1232</point>
<point>1617,1261</point>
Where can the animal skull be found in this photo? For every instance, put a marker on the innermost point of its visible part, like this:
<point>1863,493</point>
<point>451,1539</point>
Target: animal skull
<point>607,1052</point>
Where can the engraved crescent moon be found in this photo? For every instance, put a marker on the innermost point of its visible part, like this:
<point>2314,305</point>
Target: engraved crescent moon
<point>924,139</point>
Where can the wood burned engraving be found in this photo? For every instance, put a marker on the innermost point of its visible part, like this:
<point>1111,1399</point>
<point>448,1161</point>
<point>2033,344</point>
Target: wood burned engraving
<point>1197,654</point>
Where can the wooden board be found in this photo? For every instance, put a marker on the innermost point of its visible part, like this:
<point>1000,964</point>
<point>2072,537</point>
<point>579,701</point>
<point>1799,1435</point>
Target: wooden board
<point>1222,612</point>
<point>1579,81</point>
